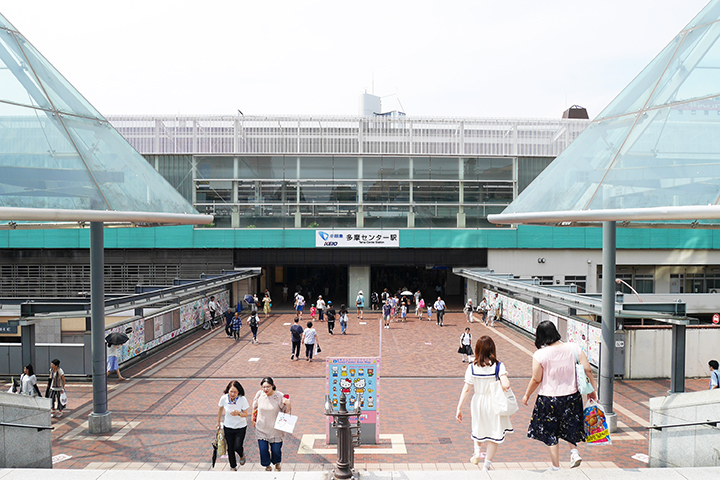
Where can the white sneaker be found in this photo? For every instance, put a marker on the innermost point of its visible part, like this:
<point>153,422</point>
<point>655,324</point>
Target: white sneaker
<point>553,469</point>
<point>575,459</point>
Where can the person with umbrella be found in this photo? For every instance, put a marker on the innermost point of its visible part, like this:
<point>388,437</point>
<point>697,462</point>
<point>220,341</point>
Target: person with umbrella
<point>233,410</point>
<point>114,341</point>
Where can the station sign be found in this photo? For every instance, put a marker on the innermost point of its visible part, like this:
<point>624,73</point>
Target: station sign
<point>362,238</point>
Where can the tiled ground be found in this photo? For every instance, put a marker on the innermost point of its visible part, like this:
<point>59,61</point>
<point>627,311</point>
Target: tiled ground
<point>164,416</point>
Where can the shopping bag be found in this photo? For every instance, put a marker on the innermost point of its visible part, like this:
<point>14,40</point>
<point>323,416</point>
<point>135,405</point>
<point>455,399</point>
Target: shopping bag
<point>285,422</point>
<point>596,426</point>
<point>63,399</point>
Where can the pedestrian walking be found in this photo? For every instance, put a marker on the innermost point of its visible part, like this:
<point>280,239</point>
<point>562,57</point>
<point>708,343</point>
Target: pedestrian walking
<point>429,309</point>
<point>113,354</point>
<point>466,345</point>
<point>440,309</point>
<point>285,293</point>
<point>309,337</point>
<point>403,312</point>
<point>267,304</point>
<point>233,410</point>
<point>492,306</point>
<point>268,402</point>
<point>360,304</point>
<point>296,332</point>
<point>253,323</point>
<point>714,374</point>
<point>558,411</point>
<point>236,326</point>
<point>320,305</point>
<point>56,387</point>
<point>374,301</point>
<point>419,308</point>
<point>312,312</point>
<point>387,312</point>
<point>468,310</point>
<point>487,428</point>
<point>28,382</point>
<point>343,318</point>
<point>330,317</point>
<point>299,305</point>
<point>482,309</point>
<point>229,315</point>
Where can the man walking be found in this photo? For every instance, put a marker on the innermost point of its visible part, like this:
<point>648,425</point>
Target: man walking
<point>330,314</point>
<point>440,310</point>
<point>296,332</point>
<point>228,322</point>
<point>320,307</point>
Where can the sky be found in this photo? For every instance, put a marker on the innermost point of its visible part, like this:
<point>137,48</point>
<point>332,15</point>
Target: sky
<point>469,58</point>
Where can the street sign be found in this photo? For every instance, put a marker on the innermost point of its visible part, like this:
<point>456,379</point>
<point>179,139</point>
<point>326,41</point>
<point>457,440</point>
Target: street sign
<point>716,318</point>
<point>5,328</point>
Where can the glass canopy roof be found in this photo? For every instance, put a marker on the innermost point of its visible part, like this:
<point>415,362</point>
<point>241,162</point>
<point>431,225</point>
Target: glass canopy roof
<point>652,156</point>
<point>59,157</point>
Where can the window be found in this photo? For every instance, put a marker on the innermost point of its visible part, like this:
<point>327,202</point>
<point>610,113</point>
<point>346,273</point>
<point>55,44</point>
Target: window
<point>579,280</point>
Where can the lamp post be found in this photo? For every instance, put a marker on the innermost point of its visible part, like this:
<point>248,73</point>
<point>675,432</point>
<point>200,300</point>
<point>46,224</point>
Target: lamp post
<point>346,440</point>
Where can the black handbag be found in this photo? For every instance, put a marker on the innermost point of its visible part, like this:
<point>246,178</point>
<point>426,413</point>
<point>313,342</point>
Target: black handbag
<point>461,349</point>
<point>318,348</point>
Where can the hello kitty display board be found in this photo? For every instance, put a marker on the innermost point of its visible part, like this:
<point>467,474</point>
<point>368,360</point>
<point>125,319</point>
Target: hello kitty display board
<point>357,378</point>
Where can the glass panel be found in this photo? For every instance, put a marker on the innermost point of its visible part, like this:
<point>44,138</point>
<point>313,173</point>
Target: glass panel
<point>249,192</point>
<point>345,168</point>
<point>395,168</point>
<point>421,168</point>
<point>63,95</point>
<point>127,181</point>
<point>39,167</point>
<point>19,84</point>
<point>694,71</point>
<point>438,216</point>
<point>314,168</point>
<point>476,216</point>
<point>658,166</point>
<point>372,167</point>
<point>570,180</point>
<point>214,167</point>
<point>213,192</point>
<point>445,168</point>
<point>635,95</point>
<point>278,192</point>
<point>488,192</point>
<point>435,192</point>
<point>260,167</point>
<point>487,169</point>
<point>316,192</point>
<point>329,216</point>
<point>394,192</point>
<point>386,216</point>
<point>710,13</point>
<point>4,23</point>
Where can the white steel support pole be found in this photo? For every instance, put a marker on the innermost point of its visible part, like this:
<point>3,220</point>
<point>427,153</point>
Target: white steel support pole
<point>607,347</point>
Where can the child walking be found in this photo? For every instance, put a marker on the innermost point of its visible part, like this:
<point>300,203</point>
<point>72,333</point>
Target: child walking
<point>313,310</point>
<point>235,325</point>
<point>403,311</point>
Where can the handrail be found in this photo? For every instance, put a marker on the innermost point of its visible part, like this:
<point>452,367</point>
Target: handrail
<point>712,423</point>
<point>20,425</point>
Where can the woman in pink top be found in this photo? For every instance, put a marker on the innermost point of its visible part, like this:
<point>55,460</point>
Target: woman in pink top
<point>268,402</point>
<point>558,411</point>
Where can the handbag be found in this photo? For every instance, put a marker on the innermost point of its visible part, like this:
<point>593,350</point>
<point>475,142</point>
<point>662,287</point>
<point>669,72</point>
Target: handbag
<point>219,442</point>
<point>63,399</point>
<point>583,383</point>
<point>461,349</point>
<point>504,402</point>
<point>596,426</point>
<point>285,422</point>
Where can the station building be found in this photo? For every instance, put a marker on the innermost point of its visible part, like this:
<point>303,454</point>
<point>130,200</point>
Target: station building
<point>334,205</point>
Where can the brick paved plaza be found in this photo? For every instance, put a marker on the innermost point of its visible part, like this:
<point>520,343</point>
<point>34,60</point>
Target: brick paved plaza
<point>164,415</point>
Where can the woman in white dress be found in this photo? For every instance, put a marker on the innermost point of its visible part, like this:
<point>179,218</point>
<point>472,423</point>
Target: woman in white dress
<point>487,428</point>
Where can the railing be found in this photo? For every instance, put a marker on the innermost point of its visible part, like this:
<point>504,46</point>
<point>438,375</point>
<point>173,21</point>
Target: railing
<point>712,423</point>
<point>20,425</point>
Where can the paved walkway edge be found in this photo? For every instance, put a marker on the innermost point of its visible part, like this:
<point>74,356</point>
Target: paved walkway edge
<point>698,473</point>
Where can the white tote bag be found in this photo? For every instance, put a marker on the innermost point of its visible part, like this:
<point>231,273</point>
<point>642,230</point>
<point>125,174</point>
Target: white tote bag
<point>285,422</point>
<point>504,402</point>
<point>583,382</point>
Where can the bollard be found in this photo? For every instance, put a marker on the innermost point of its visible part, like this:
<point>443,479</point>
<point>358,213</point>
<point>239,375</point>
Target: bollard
<point>346,440</point>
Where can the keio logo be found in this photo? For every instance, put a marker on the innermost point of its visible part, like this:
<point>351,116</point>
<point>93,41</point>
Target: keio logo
<point>325,237</point>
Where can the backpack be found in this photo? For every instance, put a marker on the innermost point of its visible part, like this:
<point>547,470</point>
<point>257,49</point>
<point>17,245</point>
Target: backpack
<point>253,321</point>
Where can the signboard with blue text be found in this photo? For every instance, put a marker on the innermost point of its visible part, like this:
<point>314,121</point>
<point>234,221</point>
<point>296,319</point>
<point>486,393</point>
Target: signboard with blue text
<point>357,378</point>
<point>357,238</point>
